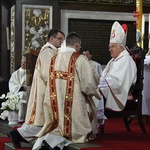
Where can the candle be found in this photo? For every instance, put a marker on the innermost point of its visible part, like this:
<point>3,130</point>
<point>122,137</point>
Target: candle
<point>142,31</point>
<point>149,33</point>
<point>139,11</point>
<point>7,37</point>
<point>143,25</point>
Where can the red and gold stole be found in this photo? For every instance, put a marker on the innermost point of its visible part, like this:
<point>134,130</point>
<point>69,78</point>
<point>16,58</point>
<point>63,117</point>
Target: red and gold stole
<point>69,77</point>
<point>33,114</point>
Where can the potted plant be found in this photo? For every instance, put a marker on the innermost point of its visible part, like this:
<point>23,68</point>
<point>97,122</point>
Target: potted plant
<point>10,107</point>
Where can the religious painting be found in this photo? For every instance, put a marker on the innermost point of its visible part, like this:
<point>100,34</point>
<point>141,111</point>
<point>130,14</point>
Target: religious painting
<point>36,23</point>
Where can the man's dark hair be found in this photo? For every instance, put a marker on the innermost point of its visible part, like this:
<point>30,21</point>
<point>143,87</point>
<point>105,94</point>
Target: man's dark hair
<point>90,52</point>
<point>72,38</point>
<point>54,32</point>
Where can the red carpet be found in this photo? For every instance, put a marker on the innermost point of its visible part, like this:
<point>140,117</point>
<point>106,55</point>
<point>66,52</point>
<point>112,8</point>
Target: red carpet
<point>116,137</point>
<point>23,149</point>
<point>3,140</point>
<point>96,148</point>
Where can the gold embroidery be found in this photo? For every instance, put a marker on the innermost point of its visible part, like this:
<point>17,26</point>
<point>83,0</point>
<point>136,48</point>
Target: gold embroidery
<point>69,76</point>
<point>32,117</point>
<point>69,97</point>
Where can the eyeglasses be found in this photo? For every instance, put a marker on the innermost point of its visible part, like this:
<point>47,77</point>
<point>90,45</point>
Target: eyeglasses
<point>60,39</point>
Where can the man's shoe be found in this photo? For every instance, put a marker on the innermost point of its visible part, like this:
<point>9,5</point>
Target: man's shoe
<point>42,148</point>
<point>56,148</point>
<point>64,148</point>
<point>13,136</point>
<point>16,138</point>
<point>46,146</point>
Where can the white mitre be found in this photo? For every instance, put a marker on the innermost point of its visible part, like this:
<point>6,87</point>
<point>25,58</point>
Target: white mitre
<point>118,33</point>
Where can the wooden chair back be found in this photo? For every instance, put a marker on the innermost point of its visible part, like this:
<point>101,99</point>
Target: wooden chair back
<point>31,57</point>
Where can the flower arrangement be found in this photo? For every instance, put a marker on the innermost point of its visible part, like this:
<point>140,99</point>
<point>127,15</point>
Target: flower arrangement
<point>10,102</point>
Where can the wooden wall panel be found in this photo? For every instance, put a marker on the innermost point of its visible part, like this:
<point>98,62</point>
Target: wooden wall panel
<point>19,3</point>
<point>58,5</point>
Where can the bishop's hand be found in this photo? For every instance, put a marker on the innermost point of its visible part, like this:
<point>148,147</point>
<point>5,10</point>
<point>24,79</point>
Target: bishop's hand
<point>102,83</point>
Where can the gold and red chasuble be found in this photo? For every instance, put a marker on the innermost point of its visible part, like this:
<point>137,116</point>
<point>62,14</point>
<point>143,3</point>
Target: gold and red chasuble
<point>69,76</point>
<point>32,118</point>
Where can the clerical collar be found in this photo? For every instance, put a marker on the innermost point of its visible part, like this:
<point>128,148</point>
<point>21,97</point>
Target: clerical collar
<point>124,52</point>
<point>68,49</point>
<point>49,44</point>
<point>22,70</point>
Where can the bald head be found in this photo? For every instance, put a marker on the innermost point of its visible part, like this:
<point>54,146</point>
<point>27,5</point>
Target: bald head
<point>23,63</point>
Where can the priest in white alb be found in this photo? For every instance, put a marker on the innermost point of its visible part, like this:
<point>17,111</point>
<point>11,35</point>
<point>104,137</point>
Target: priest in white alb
<point>69,108</point>
<point>17,85</point>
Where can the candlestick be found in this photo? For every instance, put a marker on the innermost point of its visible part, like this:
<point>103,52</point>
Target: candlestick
<point>148,53</point>
<point>7,37</point>
<point>149,32</point>
<point>139,10</point>
<point>143,25</point>
<point>142,31</point>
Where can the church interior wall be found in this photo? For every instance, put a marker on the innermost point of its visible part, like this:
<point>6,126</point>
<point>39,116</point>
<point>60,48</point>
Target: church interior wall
<point>63,13</point>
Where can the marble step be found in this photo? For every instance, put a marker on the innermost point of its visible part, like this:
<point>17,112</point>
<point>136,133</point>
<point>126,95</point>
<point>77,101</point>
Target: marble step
<point>4,128</point>
<point>79,146</point>
<point>9,146</point>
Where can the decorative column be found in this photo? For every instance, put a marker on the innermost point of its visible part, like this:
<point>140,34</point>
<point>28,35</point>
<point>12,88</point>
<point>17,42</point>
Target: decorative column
<point>148,53</point>
<point>149,33</point>
<point>142,31</point>
<point>138,14</point>
<point>12,41</point>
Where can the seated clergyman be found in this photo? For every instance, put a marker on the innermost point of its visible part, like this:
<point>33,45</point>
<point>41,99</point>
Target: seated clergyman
<point>120,73</point>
